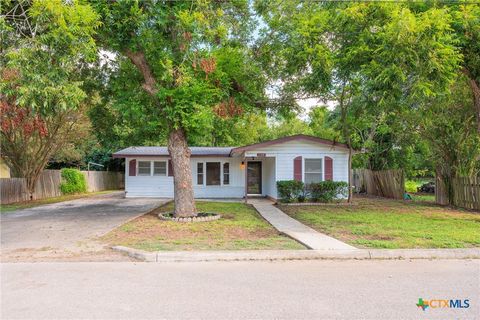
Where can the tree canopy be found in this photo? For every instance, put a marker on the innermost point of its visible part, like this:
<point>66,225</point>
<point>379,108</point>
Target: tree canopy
<point>401,80</point>
<point>44,46</point>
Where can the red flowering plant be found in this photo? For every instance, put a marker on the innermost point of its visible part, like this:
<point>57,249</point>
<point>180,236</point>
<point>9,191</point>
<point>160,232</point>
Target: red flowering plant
<point>42,96</point>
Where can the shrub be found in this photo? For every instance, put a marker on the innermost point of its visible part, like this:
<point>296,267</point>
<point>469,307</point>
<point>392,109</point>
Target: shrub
<point>290,190</point>
<point>73,181</point>
<point>327,191</point>
<point>411,186</point>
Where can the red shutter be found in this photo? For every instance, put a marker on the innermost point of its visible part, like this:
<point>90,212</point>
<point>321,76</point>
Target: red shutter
<point>170,168</point>
<point>297,168</point>
<point>328,168</point>
<point>132,168</point>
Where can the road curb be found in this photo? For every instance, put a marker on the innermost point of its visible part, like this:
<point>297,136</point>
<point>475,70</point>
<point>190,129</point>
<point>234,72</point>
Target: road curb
<point>274,255</point>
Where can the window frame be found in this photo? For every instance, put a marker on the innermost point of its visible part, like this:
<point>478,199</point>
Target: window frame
<point>220,174</point>
<point>204,164</point>
<point>223,173</point>
<point>153,168</point>
<point>150,168</point>
<point>202,173</point>
<point>304,167</point>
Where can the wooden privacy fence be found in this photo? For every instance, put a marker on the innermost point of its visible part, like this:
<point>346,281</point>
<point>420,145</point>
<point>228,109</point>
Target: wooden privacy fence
<point>104,180</point>
<point>384,183</point>
<point>466,192</point>
<point>48,185</point>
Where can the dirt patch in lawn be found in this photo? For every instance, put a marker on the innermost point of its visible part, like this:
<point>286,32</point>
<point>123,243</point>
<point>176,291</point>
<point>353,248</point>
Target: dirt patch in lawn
<point>239,228</point>
<point>385,223</point>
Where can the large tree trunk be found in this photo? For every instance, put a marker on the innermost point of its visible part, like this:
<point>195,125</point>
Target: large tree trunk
<point>182,178</point>
<point>177,146</point>
<point>444,186</point>
<point>476,101</point>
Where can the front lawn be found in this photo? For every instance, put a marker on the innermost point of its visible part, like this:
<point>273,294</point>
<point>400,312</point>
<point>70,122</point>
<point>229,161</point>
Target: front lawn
<point>240,228</point>
<point>383,223</point>
<point>425,197</point>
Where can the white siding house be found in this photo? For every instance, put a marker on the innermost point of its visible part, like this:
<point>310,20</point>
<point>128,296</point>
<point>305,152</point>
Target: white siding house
<point>221,172</point>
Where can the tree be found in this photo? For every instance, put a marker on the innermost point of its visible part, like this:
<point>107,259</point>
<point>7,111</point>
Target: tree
<point>380,62</point>
<point>467,26</point>
<point>193,65</point>
<point>321,122</point>
<point>44,44</point>
<point>449,125</point>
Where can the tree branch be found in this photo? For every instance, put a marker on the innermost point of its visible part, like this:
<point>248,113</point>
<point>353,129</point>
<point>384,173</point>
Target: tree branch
<point>139,60</point>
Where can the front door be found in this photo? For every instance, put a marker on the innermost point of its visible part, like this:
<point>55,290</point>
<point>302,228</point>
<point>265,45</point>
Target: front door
<point>254,177</point>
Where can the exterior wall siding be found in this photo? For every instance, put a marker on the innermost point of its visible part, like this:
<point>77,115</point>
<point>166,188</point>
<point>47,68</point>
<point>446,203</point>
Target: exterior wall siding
<point>286,152</point>
<point>277,164</point>
<point>162,186</point>
<point>269,180</point>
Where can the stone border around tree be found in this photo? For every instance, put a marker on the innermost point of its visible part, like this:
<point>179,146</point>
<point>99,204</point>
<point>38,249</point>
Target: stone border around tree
<point>209,217</point>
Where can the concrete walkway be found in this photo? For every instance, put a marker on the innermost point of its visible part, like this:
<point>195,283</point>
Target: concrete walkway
<point>296,230</point>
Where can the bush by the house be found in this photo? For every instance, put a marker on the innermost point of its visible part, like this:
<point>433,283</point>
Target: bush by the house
<point>326,191</point>
<point>73,181</point>
<point>290,190</point>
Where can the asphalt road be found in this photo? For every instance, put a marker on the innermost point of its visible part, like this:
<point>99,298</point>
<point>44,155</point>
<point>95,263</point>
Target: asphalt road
<point>239,290</point>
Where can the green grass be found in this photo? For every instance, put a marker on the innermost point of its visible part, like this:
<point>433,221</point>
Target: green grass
<point>4,208</point>
<point>240,228</point>
<point>423,197</point>
<point>382,223</point>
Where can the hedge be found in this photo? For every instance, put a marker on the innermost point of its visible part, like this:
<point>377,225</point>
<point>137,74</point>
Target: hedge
<point>324,191</point>
<point>290,190</point>
<point>327,191</point>
<point>73,181</point>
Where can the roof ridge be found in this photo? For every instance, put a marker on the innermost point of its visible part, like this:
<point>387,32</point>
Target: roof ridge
<point>188,146</point>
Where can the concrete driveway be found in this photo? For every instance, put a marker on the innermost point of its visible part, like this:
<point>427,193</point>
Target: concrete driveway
<point>68,226</point>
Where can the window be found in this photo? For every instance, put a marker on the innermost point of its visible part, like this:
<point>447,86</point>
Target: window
<point>213,173</point>
<point>200,173</point>
<point>159,168</point>
<point>226,173</point>
<point>313,170</point>
<point>144,168</point>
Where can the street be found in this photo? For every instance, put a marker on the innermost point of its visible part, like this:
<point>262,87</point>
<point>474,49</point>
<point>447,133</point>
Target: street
<point>351,289</point>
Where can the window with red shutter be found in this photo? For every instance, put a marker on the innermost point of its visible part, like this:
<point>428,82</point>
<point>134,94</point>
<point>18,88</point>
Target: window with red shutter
<point>328,168</point>
<point>297,168</point>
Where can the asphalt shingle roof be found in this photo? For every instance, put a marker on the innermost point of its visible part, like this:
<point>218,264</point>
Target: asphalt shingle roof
<point>224,151</point>
<point>163,151</point>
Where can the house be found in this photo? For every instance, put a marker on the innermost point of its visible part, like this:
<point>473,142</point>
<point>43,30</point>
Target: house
<point>237,172</point>
<point>4,169</point>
